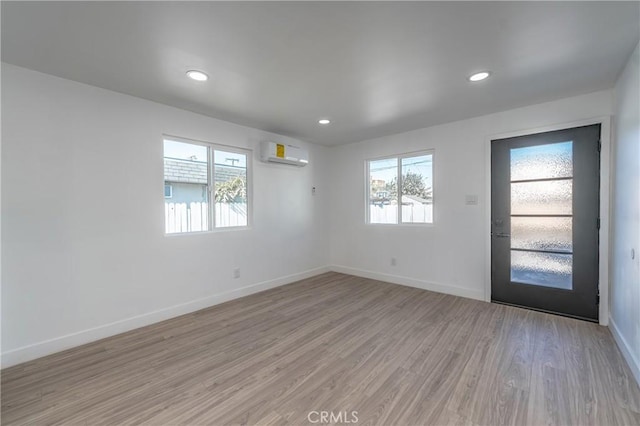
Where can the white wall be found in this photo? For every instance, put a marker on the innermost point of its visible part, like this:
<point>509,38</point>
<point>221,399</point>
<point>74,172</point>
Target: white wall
<point>625,271</point>
<point>450,255</point>
<point>73,271</point>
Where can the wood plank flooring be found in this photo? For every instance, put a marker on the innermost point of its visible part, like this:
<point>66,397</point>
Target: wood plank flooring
<point>395,355</point>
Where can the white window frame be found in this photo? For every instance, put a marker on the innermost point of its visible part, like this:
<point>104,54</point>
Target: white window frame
<point>399,158</point>
<point>211,147</point>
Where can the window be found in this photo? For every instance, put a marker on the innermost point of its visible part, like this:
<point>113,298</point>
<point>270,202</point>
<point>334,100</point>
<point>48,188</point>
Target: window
<point>207,186</point>
<point>400,189</point>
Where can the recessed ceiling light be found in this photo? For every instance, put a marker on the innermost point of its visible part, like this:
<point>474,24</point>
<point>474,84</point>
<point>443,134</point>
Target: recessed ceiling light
<point>479,76</point>
<point>197,75</point>
<point>324,121</point>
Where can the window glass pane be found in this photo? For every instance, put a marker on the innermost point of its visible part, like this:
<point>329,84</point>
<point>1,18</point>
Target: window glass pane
<point>186,170</point>
<point>417,189</point>
<point>543,269</point>
<point>546,197</point>
<point>383,191</point>
<point>230,177</point>
<point>542,161</point>
<point>542,233</point>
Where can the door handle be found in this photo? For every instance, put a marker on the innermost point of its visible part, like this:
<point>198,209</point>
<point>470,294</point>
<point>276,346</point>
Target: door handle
<point>501,235</point>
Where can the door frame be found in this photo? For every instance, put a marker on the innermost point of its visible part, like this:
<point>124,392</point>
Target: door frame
<point>605,202</point>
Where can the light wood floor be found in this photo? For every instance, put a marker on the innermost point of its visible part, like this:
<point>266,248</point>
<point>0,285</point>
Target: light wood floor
<point>396,355</point>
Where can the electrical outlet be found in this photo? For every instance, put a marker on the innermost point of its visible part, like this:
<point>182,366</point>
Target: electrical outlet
<point>393,261</point>
<point>236,273</point>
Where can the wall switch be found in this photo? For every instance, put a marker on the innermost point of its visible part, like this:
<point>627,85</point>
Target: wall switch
<point>236,273</point>
<point>393,261</point>
<point>471,200</point>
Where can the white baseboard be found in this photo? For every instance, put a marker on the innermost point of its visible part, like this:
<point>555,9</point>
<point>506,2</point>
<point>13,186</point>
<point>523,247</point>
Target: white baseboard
<point>47,347</point>
<point>627,353</point>
<point>412,282</point>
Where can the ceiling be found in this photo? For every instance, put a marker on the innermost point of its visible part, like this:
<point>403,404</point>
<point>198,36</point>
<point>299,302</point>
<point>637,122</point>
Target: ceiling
<point>373,68</point>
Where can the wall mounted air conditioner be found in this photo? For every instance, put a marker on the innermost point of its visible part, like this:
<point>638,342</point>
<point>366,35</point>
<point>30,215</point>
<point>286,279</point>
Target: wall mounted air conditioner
<point>274,152</point>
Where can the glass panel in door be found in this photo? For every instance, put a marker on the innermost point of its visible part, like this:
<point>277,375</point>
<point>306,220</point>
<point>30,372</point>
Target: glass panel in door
<point>541,215</point>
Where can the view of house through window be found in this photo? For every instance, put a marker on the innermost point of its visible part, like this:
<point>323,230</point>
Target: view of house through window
<point>401,189</point>
<point>189,171</point>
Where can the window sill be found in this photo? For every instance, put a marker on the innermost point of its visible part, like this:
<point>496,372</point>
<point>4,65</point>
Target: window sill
<point>213,231</point>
